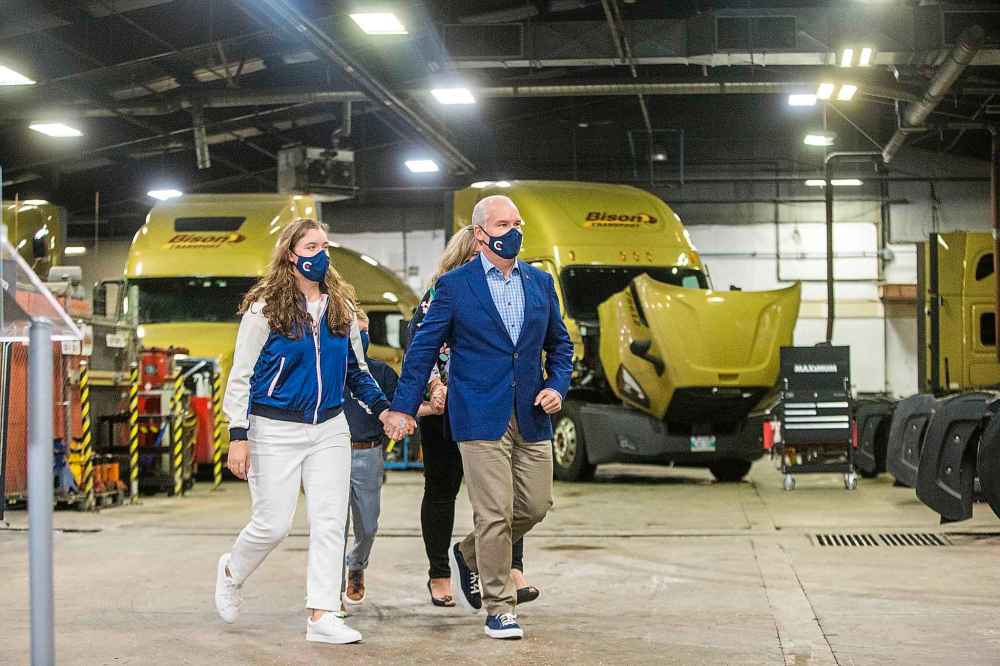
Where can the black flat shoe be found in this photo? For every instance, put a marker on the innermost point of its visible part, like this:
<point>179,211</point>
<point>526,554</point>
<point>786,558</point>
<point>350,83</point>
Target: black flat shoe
<point>526,594</point>
<point>442,602</point>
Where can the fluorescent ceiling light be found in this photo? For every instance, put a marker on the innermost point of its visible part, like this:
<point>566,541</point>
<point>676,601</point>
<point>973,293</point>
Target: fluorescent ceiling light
<point>391,297</point>
<point>75,250</point>
<point>837,182</point>
<point>453,95</point>
<point>422,166</point>
<point>819,139</point>
<point>59,130</point>
<point>379,23</point>
<point>481,184</point>
<point>502,183</point>
<point>847,58</point>
<point>9,77</point>
<point>802,100</point>
<point>35,202</point>
<point>365,258</point>
<point>865,58</point>
<point>825,91</point>
<point>846,93</point>
<point>163,195</point>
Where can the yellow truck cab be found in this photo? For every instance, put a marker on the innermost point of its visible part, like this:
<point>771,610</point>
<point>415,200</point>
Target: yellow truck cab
<point>196,256</point>
<point>963,351</point>
<point>36,228</point>
<point>666,369</point>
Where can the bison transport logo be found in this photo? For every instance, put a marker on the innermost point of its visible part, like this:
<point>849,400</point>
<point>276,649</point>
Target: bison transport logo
<point>602,219</point>
<point>202,241</point>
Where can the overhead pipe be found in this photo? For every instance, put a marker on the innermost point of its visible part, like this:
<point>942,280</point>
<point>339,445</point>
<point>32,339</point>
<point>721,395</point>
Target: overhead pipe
<point>958,59</point>
<point>828,163</point>
<point>278,96</point>
<point>230,98</point>
<point>201,151</point>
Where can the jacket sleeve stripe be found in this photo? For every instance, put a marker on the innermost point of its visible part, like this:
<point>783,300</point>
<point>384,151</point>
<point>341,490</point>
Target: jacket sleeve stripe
<point>250,340</point>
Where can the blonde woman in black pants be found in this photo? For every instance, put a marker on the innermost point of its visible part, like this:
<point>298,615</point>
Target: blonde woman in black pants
<point>442,460</point>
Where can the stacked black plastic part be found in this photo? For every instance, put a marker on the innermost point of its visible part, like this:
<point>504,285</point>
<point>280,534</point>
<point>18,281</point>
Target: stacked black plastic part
<point>940,446</point>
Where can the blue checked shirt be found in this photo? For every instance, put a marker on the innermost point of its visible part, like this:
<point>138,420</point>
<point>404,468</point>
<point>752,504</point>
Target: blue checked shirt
<point>508,296</point>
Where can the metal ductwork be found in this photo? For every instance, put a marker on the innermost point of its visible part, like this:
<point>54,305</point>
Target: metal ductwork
<point>959,58</point>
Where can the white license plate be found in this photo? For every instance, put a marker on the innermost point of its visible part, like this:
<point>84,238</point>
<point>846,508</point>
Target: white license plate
<point>703,443</point>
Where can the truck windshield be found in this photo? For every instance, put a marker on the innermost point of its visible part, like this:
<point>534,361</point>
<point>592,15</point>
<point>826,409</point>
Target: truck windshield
<point>214,299</point>
<point>586,287</point>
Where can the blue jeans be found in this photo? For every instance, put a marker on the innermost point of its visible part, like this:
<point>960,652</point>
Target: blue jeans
<point>366,494</point>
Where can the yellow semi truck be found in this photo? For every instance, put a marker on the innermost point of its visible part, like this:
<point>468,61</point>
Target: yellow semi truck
<point>666,368</point>
<point>196,256</point>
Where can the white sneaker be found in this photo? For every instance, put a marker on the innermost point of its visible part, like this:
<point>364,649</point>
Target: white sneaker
<point>228,595</point>
<point>330,629</point>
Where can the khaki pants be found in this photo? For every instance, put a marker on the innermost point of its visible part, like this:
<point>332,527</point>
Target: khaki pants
<point>510,488</point>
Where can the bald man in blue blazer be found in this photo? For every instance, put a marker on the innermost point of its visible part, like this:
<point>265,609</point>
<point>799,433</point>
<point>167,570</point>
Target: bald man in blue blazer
<point>498,315</point>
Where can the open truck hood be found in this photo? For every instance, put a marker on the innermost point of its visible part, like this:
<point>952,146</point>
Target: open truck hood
<point>711,355</point>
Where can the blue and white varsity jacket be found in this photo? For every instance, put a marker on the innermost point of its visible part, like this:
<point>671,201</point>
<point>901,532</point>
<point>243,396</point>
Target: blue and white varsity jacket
<point>300,380</point>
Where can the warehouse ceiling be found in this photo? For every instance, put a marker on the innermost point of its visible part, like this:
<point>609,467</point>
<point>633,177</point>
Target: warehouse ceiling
<point>202,94</point>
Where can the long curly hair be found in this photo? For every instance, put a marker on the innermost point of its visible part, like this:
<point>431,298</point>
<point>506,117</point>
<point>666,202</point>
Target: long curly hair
<point>284,305</point>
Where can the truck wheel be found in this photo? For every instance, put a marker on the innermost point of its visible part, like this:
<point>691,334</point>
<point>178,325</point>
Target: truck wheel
<point>569,453</point>
<point>730,471</point>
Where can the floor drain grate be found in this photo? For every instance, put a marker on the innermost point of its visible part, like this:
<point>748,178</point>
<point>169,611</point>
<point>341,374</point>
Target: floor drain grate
<point>890,539</point>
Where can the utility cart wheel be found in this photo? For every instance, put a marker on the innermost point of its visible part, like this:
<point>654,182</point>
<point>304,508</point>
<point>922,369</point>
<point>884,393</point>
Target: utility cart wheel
<point>851,481</point>
<point>789,482</point>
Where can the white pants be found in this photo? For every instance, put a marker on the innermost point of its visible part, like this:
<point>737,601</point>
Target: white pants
<point>284,456</point>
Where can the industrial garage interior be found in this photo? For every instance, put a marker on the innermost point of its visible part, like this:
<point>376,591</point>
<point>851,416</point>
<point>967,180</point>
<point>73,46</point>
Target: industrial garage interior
<point>771,230</point>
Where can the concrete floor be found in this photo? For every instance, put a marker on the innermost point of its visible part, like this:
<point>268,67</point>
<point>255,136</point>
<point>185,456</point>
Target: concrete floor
<point>645,565</point>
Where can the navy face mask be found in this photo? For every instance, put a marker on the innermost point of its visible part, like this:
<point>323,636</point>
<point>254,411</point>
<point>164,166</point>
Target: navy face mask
<point>508,245</point>
<point>314,268</point>
<point>365,341</point>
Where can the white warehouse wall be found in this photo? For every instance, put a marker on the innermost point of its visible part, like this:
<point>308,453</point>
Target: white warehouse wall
<point>412,256</point>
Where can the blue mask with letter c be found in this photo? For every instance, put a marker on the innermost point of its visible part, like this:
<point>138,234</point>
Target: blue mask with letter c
<point>314,268</point>
<point>508,245</point>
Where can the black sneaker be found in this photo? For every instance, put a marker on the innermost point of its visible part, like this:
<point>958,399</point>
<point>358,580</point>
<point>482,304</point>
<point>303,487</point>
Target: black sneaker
<point>465,585</point>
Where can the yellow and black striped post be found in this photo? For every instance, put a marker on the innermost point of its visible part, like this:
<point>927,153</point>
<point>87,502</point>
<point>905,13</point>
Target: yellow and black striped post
<point>133,433</point>
<point>190,445</point>
<point>177,435</point>
<point>217,428</point>
<point>87,439</point>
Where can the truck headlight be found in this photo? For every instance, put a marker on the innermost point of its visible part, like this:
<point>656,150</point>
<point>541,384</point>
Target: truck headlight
<point>630,387</point>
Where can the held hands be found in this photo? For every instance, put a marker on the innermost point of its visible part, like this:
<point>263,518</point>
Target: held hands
<point>397,424</point>
<point>438,398</point>
<point>238,460</point>
<point>549,400</point>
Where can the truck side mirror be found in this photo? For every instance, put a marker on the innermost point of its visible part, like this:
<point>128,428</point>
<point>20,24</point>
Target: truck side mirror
<point>100,299</point>
<point>641,349</point>
<point>106,298</point>
<point>404,333</point>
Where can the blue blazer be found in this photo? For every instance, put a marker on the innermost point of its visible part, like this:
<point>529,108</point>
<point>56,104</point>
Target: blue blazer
<point>490,377</point>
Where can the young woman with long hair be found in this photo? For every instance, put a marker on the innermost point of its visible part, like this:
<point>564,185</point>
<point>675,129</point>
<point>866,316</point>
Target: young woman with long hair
<point>297,345</point>
<point>442,460</point>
